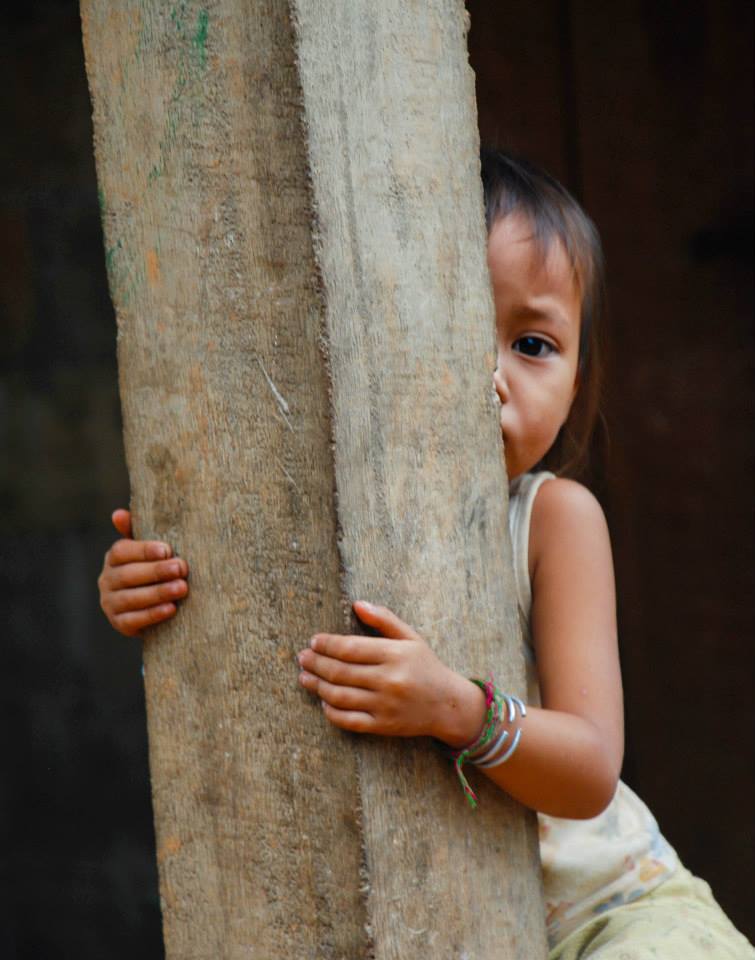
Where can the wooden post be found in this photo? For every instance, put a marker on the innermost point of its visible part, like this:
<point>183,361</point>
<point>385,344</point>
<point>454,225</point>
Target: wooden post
<point>241,356</point>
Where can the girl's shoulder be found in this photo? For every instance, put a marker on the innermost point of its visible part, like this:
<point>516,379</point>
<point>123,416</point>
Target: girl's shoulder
<point>567,522</point>
<point>561,494</point>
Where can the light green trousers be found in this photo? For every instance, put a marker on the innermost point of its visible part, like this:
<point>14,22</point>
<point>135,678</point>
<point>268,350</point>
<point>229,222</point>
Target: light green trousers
<point>678,920</point>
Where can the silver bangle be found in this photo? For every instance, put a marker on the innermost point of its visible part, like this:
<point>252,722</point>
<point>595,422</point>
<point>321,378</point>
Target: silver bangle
<point>497,761</point>
<point>489,759</point>
<point>491,749</point>
<point>522,709</point>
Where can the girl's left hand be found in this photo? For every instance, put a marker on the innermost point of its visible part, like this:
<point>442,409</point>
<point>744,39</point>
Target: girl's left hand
<point>392,685</point>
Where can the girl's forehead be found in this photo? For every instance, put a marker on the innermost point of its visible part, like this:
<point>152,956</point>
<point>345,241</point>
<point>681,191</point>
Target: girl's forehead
<point>515,243</point>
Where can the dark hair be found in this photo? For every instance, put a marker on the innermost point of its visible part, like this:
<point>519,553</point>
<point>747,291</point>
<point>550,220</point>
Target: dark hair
<point>512,185</point>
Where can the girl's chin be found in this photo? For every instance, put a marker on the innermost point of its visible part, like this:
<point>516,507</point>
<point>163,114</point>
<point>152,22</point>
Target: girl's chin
<point>512,468</point>
<point>515,467</point>
<point>518,462</point>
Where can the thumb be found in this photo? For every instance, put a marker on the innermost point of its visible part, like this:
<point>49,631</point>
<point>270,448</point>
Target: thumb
<point>384,621</point>
<point>122,522</point>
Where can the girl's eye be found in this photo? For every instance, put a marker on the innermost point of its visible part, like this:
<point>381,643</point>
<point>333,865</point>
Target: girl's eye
<point>533,347</point>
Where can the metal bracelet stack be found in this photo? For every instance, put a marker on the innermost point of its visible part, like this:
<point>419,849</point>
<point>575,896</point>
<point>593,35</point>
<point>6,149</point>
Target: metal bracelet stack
<point>484,750</point>
<point>490,756</point>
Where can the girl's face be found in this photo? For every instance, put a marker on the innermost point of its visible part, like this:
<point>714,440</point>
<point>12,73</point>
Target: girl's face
<point>537,305</point>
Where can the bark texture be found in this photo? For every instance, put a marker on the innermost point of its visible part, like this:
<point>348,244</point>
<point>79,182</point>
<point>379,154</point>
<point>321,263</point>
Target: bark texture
<point>200,112</point>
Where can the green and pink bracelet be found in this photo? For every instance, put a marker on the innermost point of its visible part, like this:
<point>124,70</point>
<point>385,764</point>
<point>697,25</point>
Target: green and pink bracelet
<point>484,750</point>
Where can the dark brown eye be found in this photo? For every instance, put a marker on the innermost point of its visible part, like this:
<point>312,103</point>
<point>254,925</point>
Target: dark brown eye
<point>533,347</point>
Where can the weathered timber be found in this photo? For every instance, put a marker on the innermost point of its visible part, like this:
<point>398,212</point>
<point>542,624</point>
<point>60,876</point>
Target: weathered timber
<point>202,164</point>
<point>393,147</point>
<point>202,172</point>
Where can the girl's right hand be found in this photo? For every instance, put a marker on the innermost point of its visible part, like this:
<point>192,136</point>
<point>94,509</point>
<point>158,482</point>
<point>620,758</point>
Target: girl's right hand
<point>141,580</point>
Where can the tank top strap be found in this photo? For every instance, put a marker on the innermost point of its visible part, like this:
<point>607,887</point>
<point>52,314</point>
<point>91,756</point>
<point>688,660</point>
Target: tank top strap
<point>521,500</point>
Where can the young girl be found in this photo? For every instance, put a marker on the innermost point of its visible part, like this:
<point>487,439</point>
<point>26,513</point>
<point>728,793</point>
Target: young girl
<point>614,887</point>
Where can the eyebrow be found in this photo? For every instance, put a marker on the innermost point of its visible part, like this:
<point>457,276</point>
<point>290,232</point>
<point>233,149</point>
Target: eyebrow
<point>525,312</point>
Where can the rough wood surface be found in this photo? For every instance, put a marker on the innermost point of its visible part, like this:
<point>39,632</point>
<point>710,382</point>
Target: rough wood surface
<point>202,172</point>
<point>393,147</point>
<point>201,156</point>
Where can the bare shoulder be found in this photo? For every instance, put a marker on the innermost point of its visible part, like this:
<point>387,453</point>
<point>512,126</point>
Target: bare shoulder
<point>566,501</point>
<point>567,520</point>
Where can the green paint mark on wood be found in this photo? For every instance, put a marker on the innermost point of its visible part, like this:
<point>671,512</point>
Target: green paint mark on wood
<point>125,275</point>
<point>110,254</point>
<point>177,15</point>
<point>184,102</point>
<point>200,37</point>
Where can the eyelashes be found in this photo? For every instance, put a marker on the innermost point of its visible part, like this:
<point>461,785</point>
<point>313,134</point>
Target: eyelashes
<point>533,347</point>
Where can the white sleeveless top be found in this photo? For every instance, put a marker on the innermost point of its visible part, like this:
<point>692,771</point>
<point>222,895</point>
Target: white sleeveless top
<point>589,866</point>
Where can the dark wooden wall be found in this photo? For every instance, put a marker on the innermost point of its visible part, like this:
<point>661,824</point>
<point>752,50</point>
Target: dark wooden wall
<point>77,861</point>
<point>646,115</point>
<point>644,110</point>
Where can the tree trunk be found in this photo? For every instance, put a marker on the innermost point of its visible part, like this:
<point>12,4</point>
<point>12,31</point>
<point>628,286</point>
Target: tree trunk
<point>276,838</point>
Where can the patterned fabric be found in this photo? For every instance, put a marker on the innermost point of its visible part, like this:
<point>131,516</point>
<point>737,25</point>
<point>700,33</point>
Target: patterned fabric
<point>589,866</point>
<point>679,920</point>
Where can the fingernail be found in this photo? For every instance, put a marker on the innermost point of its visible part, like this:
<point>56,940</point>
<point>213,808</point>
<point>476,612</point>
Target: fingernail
<point>314,643</point>
<point>162,552</point>
<point>370,607</point>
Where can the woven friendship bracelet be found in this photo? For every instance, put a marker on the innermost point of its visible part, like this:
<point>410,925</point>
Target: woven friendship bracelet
<point>484,751</point>
<point>493,704</point>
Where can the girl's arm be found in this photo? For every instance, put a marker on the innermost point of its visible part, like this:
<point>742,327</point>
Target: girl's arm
<point>570,752</point>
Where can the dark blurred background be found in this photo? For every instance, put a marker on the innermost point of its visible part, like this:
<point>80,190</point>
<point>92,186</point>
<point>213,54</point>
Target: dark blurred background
<point>644,110</point>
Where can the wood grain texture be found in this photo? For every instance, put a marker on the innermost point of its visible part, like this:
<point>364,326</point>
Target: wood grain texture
<point>202,173</point>
<point>393,148</point>
<point>228,373</point>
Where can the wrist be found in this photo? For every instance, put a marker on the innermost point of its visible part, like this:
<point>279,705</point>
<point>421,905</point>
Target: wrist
<point>462,715</point>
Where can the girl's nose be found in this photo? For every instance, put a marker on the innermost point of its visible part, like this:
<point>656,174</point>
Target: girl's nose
<point>499,382</point>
